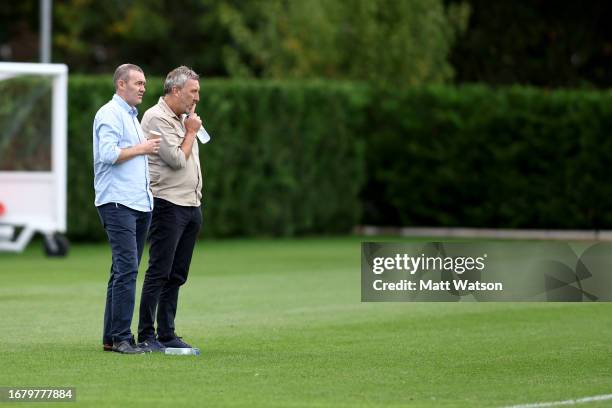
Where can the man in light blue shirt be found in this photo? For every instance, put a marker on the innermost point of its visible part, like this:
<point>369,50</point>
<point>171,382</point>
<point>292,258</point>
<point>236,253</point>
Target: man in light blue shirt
<point>123,199</point>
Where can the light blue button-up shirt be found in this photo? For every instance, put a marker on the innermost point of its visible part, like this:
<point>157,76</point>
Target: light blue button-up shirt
<point>116,127</point>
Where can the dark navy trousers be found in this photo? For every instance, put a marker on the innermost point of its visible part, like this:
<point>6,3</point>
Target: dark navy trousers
<point>126,230</point>
<point>172,237</point>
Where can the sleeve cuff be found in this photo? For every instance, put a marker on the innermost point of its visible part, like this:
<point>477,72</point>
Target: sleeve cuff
<point>116,153</point>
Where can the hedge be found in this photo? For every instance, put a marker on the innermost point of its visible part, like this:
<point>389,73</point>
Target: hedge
<point>294,158</point>
<point>283,159</point>
<point>481,157</point>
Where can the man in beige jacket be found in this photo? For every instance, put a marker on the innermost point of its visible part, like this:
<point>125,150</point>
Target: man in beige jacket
<point>176,183</point>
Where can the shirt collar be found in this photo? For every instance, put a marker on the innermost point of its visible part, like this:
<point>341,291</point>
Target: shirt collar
<point>166,108</point>
<point>121,102</point>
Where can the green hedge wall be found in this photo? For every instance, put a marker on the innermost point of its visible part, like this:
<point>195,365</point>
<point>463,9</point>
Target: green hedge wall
<point>283,159</point>
<point>482,157</point>
<point>291,158</point>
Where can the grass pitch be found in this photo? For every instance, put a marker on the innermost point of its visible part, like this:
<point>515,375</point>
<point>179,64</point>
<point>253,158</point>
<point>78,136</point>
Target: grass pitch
<point>280,324</point>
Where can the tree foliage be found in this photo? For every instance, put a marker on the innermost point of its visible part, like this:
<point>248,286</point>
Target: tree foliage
<point>543,43</point>
<point>389,42</point>
<point>93,36</point>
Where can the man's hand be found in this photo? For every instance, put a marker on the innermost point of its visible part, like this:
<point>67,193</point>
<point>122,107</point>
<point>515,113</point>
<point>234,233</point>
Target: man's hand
<point>192,125</point>
<point>192,121</point>
<point>149,146</point>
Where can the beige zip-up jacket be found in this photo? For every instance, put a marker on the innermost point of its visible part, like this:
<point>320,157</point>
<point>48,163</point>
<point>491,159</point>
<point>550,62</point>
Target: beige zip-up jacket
<point>173,178</point>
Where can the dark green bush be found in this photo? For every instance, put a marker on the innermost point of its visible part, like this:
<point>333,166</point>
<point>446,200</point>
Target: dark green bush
<point>283,159</point>
<point>481,157</point>
<point>292,158</point>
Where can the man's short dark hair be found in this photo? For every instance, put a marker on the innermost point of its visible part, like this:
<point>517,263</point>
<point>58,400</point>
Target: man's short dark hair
<point>177,78</point>
<point>122,73</point>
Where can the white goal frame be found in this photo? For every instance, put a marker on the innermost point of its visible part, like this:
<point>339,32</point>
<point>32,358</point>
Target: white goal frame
<point>35,201</point>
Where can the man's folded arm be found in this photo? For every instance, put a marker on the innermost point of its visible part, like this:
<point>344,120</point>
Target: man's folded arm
<point>170,147</point>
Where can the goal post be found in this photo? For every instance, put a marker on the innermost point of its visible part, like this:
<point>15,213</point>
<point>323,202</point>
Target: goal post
<point>33,158</point>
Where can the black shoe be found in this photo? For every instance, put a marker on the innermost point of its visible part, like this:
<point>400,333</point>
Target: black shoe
<point>133,343</point>
<point>174,342</point>
<point>152,346</point>
<point>107,347</point>
<point>125,347</point>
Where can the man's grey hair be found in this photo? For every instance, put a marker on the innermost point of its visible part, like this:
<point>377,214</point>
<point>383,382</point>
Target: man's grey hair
<point>122,73</point>
<point>177,78</point>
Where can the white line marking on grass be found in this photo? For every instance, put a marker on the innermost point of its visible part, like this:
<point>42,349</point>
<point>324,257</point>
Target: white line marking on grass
<point>566,402</point>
